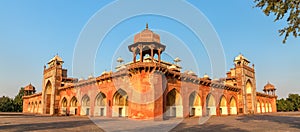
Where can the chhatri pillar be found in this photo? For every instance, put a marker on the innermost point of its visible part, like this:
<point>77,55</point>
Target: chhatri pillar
<point>146,42</point>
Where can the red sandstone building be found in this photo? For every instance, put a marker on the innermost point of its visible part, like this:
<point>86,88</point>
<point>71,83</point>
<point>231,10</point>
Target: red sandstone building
<point>149,88</point>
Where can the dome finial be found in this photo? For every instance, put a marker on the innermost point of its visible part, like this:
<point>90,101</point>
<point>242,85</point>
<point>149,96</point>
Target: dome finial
<point>147,25</point>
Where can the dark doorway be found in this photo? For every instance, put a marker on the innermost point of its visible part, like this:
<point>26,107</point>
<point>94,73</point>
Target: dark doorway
<point>87,111</point>
<point>101,111</point>
<point>120,112</point>
<point>48,97</point>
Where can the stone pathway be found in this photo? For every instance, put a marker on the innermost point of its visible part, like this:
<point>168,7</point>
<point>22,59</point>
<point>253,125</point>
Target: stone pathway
<point>268,122</point>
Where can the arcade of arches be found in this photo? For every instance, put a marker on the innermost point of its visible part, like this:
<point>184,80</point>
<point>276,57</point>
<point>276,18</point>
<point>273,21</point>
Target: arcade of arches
<point>149,88</point>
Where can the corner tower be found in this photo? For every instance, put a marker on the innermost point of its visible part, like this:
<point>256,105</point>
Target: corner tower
<point>245,79</point>
<point>53,74</point>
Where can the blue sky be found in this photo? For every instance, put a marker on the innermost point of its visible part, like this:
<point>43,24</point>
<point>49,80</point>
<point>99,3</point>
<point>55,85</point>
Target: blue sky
<point>32,32</point>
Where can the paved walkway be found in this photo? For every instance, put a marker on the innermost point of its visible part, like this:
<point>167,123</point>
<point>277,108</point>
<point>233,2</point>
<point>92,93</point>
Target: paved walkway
<point>269,122</point>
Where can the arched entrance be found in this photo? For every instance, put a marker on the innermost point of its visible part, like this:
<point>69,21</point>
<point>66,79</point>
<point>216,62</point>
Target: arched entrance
<point>195,104</point>
<point>233,108</point>
<point>258,107</point>
<point>64,106</point>
<point>28,107</point>
<point>100,105</point>
<point>249,89</point>
<point>120,104</point>
<point>174,104</point>
<point>36,107</point>
<point>48,99</point>
<point>210,105</point>
<point>73,106</point>
<point>267,107</point>
<point>262,107</point>
<point>270,107</point>
<point>40,107</point>
<point>223,106</point>
<point>85,105</point>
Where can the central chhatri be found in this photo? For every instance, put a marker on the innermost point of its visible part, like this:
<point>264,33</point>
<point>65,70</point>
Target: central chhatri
<point>146,42</point>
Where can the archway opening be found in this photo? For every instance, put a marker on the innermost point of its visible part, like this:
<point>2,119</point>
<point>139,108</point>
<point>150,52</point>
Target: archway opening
<point>100,106</point>
<point>120,104</point>
<point>223,106</point>
<point>85,105</point>
<point>270,107</point>
<point>48,92</point>
<point>263,107</point>
<point>73,106</point>
<point>195,104</point>
<point>174,104</point>
<point>258,107</point>
<point>64,106</point>
<point>210,105</point>
<point>233,108</point>
<point>249,89</point>
<point>267,107</point>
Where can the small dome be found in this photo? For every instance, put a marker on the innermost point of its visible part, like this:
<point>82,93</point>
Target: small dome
<point>90,77</point>
<point>56,57</point>
<point>120,60</point>
<point>29,88</point>
<point>147,36</point>
<point>80,79</point>
<point>205,76</point>
<point>269,86</point>
<point>104,72</point>
<point>240,57</point>
<point>172,67</point>
<point>123,67</point>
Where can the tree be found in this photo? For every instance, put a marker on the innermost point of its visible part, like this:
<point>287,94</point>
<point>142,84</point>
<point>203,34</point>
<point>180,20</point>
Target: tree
<point>292,103</point>
<point>280,8</point>
<point>18,101</point>
<point>6,104</point>
<point>12,105</point>
<point>295,100</point>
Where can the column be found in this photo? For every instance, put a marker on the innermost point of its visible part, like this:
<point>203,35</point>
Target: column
<point>152,55</point>
<point>141,53</point>
<point>159,51</point>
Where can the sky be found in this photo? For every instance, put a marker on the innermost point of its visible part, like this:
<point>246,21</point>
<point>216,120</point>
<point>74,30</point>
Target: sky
<point>32,32</point>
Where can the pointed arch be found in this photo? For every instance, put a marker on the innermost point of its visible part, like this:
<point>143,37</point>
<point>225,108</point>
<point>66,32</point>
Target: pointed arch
<point>73,106</point>
<point>266,107</point>
<point>120,103</point>
<point>174,104</point>
<point>223,106</point>
<point>249,87</point>
<point>258,106</point>
<point>210,105</point>
<point>195,104</point>
<point>40,110</point>
<point>48,98</point>
<point>270,107</point>
<point>100,105</point>
<point>64,104</point>
<point>85,105</point>
<point>263,107</point>
<point>233,108</point>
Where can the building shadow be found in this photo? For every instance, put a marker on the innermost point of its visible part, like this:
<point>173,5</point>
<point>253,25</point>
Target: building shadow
<point>84,125</point>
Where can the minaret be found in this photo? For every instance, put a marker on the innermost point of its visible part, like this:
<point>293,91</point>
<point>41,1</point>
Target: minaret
<point>245,77</point>
<point>52,79</point>
<point>146,42</point>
